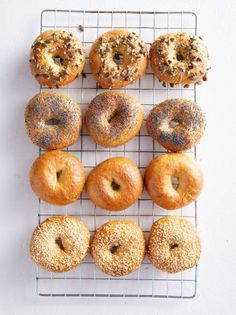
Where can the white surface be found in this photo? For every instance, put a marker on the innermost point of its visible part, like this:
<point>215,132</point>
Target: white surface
<point>217,268</point>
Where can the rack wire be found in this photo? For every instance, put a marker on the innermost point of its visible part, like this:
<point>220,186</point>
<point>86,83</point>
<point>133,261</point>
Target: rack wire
<point>87,280</point>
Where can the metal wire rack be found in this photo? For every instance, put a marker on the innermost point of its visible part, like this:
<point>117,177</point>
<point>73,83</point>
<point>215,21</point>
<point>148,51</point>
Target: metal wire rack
<point>87,280</point>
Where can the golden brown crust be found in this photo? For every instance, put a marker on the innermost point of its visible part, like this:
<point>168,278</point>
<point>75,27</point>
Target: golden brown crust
<point>56,58</point>
<point>110,73</point>
<point>60,243</point>
<point>174,244</point>
<point>113,118</point>
<point>158,180</point>
<point>57,177</point>
<point>177,124</point>
<point>53,120</point>
<point>118,247</point>
<point>115,184</point>
<point>179,58</point>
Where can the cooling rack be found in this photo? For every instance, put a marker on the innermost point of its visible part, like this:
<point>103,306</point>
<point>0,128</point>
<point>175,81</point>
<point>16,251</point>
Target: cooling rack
<point>86,280</point>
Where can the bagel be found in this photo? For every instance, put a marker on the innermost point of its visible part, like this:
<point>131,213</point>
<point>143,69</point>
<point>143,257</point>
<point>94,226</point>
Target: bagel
<point>56,58</point>
<point>160,173</point>
<point>113,118</point>
<point>118,58</point>
<point>59,243</point>
<point>118,247</point>
<point>57,177</point>
<point>53,120</point>
<point>179,58</point>
<point>115,184</point>
<point>174,244</point>
<point>177,124</point>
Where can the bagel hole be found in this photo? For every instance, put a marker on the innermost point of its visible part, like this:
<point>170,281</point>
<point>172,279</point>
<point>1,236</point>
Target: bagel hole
<point>114,249</point>
<point>173,246</point>
<point>59,243</point>
<point>113,115</point>
<point>179,57</point>
<point>58,60</point>
<point>118,58</point>
<point>52,122</point>
<point>175,182</point>
<point>115,186</point>
<point>59,174</point>
<point>174,123</point>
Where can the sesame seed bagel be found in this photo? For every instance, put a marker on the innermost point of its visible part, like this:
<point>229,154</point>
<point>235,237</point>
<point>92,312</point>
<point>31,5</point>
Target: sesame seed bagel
<point>118,247</point>
<point>56,58</point>
<point>57,177</point>
<point>177,124</point>
<point>113,118</point>
<point>118,58</point>
<point>53,120</point>
<point>115,184</point>
<point>174,244</point>
<point>160,173</point>
<point>60,243</point>
<point>179,58</point>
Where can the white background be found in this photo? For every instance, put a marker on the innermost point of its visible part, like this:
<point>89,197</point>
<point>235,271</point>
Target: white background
<point>19,25</point>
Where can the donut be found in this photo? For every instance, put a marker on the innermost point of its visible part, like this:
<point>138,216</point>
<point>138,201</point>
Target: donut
<point>53,120</point>
<point>179,58</point>
<point>59,243</point>
<point>174,244</point>
<point>118,58</point>
<point>177,124</point>
<point>118,247</point>
<point>113,118</point>
<point>115,184</point>
<point>161,173</point>
<point>56,58</point>
<point>57,177</point>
